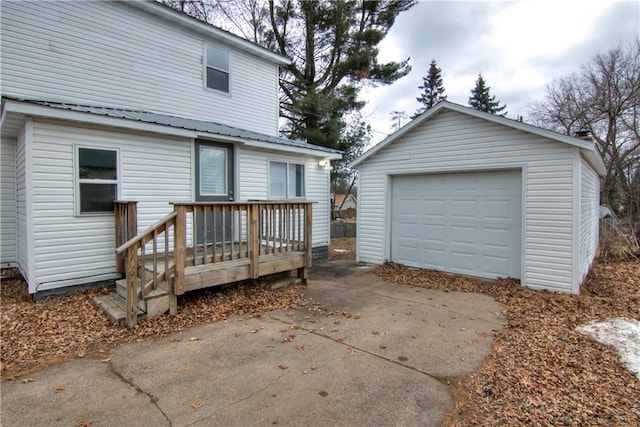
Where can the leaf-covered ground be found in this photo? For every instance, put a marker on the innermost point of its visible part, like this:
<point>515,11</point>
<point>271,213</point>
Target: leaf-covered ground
<point>540,370</point>
<point>36,334</point>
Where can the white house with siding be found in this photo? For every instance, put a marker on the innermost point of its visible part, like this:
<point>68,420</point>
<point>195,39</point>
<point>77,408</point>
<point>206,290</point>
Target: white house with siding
<point>105,101</point>
<point>472,193</point>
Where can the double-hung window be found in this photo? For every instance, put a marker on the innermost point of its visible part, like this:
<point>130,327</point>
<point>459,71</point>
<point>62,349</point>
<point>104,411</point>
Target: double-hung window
<point>286,180</point>
<point>217,68</point>
<point>97,180</point>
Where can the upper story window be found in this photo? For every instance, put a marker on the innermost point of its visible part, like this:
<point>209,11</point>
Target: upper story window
<point>217,68</point>
<point>97,180</point>
<point>286,180</point>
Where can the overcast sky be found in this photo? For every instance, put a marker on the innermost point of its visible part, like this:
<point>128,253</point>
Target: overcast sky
<point>519,47</point>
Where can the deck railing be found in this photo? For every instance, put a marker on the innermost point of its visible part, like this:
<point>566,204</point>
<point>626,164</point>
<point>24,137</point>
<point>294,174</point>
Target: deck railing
<point>212,234</point>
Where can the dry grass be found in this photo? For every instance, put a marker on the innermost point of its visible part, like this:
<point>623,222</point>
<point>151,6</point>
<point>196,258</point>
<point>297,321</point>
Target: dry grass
<point>346,248</point>
<point>540,371</point>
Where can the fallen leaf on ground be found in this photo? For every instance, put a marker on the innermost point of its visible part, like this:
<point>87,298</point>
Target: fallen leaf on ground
<point>60,389</point>
<point>27,380</point>
<point>84,423</point>
<point>383,346</point>
<point>283,366</point>
<point>197,405</point>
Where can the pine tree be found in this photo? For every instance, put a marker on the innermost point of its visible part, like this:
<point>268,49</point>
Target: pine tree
<point>481,100</point>
<point>433,90</point>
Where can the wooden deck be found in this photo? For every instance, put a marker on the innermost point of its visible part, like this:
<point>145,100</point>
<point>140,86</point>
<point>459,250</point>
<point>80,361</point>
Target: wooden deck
<point>200,245</point>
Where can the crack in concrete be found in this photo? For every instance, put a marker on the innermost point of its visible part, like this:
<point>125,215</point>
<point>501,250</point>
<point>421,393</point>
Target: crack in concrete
<point>152,398</point>
<point>443,380</point>
<point>235,402</point>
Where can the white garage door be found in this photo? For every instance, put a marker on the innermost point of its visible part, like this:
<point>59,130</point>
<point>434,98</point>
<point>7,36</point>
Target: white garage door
<point>467,223</point>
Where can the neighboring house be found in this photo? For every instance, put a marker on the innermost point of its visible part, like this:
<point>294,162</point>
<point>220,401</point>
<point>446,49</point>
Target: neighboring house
<point>344,202</point>
<point>473,193</point>
<point>133,101</point>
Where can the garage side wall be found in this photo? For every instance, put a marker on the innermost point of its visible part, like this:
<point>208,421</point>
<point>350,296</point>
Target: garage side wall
<point>589,217</point>
<point>452,141</point>
<point>72,249</point>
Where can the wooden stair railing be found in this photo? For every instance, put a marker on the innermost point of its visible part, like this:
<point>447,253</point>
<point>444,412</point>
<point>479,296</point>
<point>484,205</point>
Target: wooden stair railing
<point>136,257</point>
<point>208,233</point>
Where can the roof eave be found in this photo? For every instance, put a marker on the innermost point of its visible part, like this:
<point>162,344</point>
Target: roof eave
<point>30,109</point>
<point>583,145</point>
<point>182,19</point>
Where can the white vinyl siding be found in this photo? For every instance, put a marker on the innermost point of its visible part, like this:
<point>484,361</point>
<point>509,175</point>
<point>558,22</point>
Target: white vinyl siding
<point>589,216</point>
<point>253,180</point>
<point>450,142</point>
<point>23,204</point>
<point>72,249</point>
<point>8,216</point>
<point>111,54</point>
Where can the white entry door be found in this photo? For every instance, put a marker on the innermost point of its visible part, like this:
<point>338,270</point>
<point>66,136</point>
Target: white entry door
<point>466,223</point>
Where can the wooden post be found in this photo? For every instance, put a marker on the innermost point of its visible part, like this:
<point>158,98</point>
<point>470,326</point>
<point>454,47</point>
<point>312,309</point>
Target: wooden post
<point>254,240</point>
<point>132,220</point>
<point>126,228</point>
<point>132,294</point>
<point>303,272</point>
<point>179,248</point>
<point>118,218</point>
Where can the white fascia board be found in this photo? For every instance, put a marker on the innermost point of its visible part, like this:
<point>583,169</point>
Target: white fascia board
<point>291,149</point>
<point>82,117</point>
<point>182,19</point>
<point>595,160</point>
<point>524,127</point>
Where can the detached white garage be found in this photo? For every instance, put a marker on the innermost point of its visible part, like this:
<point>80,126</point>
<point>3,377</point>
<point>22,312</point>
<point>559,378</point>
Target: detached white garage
<point>468,192</point>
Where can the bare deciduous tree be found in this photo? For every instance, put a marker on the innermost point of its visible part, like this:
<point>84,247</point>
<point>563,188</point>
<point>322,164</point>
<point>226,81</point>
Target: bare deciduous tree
<point>603,98</point>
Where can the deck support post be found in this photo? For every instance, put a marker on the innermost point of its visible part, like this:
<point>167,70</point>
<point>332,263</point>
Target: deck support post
<point>254,239</point>
<point>180,243</point>
<point>303,272</point>
<point>173,299</point>
<point>132,294</point>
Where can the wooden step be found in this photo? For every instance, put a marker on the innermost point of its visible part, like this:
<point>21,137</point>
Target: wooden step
<point>155,302</point>
<point>113,306</point>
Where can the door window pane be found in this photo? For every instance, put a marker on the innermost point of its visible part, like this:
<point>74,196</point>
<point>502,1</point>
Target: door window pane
<point>213,171</point>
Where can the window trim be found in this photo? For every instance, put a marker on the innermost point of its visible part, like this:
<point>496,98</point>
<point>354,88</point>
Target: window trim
<point>77,180</point>
<point>287,179</point>
<point>206,66</point>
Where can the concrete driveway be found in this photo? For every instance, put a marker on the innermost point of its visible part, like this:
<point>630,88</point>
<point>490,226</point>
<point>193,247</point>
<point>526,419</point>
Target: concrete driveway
<point>381,354</point>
